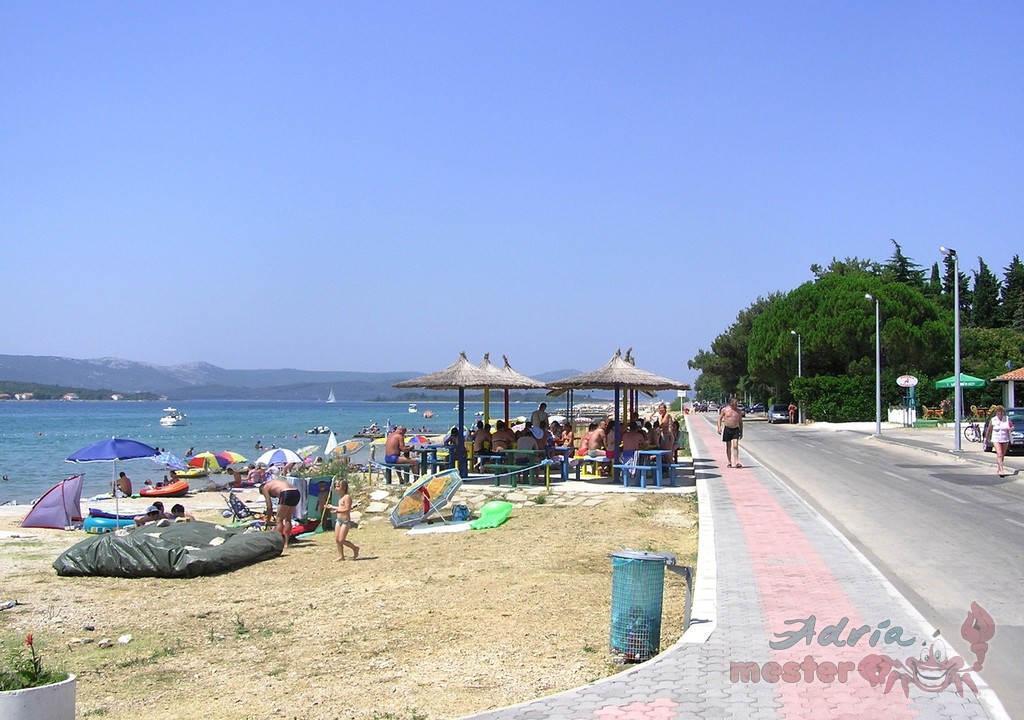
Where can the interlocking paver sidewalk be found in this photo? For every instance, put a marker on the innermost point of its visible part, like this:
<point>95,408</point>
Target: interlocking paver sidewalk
<point>767,564</point>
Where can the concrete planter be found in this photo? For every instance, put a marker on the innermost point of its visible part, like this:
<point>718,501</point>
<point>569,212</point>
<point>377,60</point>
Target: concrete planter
<point>46,702</point>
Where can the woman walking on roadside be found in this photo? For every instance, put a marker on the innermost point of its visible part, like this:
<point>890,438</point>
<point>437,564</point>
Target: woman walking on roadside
<point>999,428</point>
<point>343,521</point>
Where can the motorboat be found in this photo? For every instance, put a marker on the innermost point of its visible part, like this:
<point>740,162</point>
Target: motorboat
<point>173,417</point>
<point>413,408</point>
<point>372,431</point>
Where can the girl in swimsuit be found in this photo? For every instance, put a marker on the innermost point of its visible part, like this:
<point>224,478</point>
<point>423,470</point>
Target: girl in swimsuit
<point>343,521</point>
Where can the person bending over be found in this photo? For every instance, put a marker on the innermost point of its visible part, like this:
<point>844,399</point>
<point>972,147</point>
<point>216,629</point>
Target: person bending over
<point>288,499</point>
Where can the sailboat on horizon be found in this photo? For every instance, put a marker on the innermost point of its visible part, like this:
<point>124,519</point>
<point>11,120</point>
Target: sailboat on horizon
<point>330,398</point>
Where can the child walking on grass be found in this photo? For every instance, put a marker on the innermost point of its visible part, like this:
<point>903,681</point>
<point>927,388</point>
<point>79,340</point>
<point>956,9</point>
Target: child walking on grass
<point>343,521</point>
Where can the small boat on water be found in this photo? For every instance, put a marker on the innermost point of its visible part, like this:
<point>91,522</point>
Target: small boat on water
<point>413,408</point>
<point>330,398</point>
<point>173,417</point>
<point>318,430</point>
<point>428,413</point>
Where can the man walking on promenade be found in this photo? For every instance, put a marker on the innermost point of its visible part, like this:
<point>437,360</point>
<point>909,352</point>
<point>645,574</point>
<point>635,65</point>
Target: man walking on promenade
<point>730,425</point>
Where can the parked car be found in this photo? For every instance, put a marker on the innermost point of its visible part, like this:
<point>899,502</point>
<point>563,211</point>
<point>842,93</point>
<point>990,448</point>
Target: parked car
<point>778,414</point>
<point>759,408</point>
<point>1016,415</point>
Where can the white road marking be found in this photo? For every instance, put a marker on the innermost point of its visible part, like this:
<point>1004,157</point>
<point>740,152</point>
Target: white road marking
<point>898,477</point>
<point>947,495</point>
<point>1015,522</point>
<point>856,462</point>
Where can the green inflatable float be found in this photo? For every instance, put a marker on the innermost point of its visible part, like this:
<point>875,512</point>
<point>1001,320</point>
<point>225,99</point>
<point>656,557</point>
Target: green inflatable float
<point>492,515</point>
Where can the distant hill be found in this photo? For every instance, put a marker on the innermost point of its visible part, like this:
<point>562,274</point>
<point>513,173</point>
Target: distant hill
<point>202,381</point>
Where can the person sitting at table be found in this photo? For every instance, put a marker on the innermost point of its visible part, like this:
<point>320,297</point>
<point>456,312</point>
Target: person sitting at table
<point>481,442</point>
<point>396,452</point>
<point>597,440</point>
<point>526,441</point>
<point>632,440</point>
<point>545,439</point>
<point>568,437</point>
<point>503,438</point>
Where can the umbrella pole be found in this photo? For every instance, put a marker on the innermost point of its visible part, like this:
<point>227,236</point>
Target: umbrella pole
<point>460,448</point>
<point>114,490</point>
<point>618,428</point>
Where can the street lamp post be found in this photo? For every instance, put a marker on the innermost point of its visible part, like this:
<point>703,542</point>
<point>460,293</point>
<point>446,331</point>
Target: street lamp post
<point>799,367</point>
<point>878,366</point>
<point>957,401</point>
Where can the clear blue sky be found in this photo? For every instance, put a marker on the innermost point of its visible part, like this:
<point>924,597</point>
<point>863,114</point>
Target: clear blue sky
<point>377,186</point>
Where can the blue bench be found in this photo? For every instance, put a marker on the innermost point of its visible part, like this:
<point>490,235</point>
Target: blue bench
<point>401,469</point>
<point>640,471</point>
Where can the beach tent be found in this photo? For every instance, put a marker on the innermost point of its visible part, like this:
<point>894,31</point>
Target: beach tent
<point>59,507</point>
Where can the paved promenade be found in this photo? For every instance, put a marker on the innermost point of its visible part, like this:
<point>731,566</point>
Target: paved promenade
<point>768,567</point>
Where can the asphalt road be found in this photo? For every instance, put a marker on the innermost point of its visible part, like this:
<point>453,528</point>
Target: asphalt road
<point>944,532</point>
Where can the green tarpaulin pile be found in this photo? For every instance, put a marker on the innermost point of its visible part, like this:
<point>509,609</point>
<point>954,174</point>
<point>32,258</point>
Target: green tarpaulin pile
<point>179,550</point>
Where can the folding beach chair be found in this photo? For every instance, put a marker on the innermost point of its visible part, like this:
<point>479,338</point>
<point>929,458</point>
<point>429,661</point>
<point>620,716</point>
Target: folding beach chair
<point>242,513</point>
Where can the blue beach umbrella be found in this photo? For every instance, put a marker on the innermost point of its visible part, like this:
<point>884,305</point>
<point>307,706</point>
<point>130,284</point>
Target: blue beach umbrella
<point>113,450</point>
<point>171,460</point>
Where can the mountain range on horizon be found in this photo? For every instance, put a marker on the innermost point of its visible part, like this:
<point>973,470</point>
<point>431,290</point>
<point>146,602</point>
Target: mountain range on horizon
<point>203,381</point>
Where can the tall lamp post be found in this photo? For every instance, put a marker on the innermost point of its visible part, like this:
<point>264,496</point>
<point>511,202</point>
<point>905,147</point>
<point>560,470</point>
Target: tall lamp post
<point>957,401</point>
<point>878,366</point>
<point>799,367</point>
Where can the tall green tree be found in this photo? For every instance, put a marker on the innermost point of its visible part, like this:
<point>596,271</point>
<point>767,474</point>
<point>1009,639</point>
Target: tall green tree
<point>1013,295</point>
<point>985,309</point>
<point>902,269</point>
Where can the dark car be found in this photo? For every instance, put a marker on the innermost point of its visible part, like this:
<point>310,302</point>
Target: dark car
<point>1016,415</point>
<point>778,414</point>
<point>759,408</point>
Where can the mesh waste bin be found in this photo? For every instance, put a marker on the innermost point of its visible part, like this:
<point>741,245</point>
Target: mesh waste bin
<point>638,581</point>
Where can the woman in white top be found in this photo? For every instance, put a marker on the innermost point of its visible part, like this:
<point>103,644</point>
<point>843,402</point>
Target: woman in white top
<point>999,429</point>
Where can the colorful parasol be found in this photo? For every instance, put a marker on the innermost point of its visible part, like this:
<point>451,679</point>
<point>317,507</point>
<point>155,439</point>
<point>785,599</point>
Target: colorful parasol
<point>428,495</point>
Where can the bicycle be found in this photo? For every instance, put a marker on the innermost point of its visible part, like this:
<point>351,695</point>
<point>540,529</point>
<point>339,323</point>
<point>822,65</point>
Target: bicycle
<point>972,433</point>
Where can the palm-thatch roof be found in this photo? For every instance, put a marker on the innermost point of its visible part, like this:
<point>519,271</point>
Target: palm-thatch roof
<point>460,374</point>
<point>617,373</point>
<point>517,379</point>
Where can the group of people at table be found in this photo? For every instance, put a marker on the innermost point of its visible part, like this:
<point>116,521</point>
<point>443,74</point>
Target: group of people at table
<point>538,438</point>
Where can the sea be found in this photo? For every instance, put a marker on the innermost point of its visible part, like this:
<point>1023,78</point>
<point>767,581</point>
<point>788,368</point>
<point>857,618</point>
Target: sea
<point>36,437</point>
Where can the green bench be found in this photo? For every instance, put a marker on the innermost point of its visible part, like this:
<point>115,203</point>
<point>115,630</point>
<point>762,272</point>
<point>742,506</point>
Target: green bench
<point>514,469</point>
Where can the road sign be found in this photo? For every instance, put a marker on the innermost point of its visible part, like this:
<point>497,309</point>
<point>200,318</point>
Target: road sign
<point>906,381</point>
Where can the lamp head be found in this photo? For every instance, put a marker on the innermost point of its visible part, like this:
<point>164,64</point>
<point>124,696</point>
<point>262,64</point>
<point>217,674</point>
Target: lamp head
<point>793,332</point>
<point>947,251</point>
<point>869,296</point>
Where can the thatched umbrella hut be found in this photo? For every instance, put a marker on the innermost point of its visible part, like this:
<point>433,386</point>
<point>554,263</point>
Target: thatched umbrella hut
<point>460,375</point>
<point>507,379</point>
<point>617,374</point>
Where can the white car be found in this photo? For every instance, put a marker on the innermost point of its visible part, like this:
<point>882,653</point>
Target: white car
<point>778,414</point>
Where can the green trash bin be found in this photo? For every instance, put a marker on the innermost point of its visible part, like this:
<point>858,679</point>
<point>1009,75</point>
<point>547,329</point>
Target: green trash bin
<point>638,581</point>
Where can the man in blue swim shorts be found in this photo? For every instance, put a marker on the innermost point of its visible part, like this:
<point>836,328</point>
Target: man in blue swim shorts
<point>395,446</point>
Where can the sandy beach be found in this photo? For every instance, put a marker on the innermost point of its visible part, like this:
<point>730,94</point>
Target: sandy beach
<point>421,626</point>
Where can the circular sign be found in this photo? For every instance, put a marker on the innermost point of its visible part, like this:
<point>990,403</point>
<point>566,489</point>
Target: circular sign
<point>907,381</point>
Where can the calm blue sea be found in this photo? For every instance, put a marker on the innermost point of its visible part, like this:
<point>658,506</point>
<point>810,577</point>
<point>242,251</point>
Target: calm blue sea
<point>36,437</point>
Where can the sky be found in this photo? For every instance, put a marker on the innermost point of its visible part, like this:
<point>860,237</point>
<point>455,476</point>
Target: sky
<point>377,186</point>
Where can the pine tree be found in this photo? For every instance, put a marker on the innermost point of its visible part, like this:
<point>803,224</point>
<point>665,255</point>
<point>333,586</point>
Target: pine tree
<point>902,269</point>
<point>1013,293</point>
<point>985,309</point>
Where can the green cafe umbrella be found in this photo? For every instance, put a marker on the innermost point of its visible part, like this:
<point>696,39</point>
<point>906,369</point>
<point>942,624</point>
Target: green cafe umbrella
<point>966,381</point>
